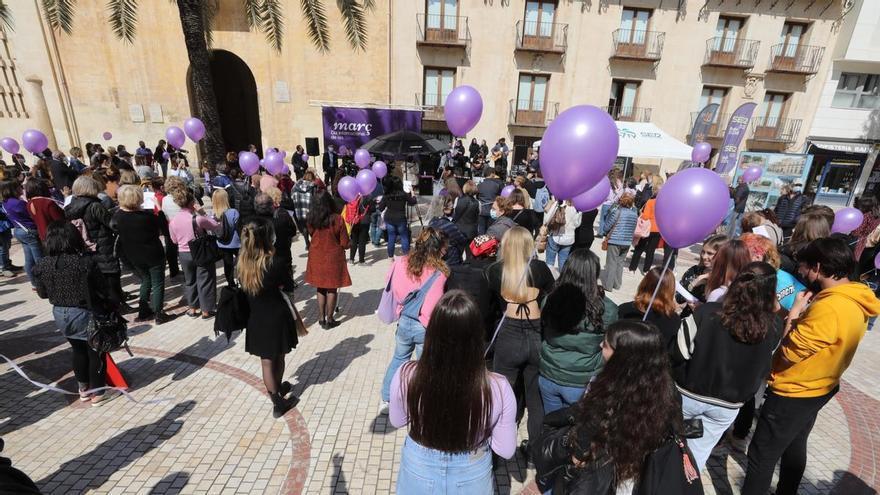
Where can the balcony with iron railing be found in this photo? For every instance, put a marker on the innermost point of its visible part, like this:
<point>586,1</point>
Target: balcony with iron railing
<point>716,128</point>
<point>432,106</point>
<point>638,45</point>
<point>545,37</point>
<point>629,114</point>
<point>795,59</point>
<point>731,52</point>
<point>443,30</point>
<point>531,113</point>
<point>779,130</point>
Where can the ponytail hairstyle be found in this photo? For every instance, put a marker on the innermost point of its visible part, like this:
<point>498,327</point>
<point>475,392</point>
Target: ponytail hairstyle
<point>257,249</point>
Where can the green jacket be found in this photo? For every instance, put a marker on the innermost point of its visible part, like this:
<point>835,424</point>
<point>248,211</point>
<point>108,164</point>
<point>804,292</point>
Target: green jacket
<point>571,360</point>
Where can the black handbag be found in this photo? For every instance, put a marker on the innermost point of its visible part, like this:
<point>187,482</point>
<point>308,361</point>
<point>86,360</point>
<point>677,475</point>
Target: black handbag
<point>107,332</point>
<point>203,247</point>
<point>233,311</point>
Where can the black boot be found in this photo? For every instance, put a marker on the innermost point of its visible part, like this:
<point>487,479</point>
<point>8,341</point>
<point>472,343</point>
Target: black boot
<point>280,405</point>
<point>286,387</point>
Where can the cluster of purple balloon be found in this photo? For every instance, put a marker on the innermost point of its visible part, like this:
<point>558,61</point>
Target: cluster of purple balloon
<point>32,139</point>
<point>364,182</point>
<point>192,128</point>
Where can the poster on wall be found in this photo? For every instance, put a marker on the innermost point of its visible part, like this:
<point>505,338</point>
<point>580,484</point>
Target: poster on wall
<point>778,169</point>
<point>353,127</point>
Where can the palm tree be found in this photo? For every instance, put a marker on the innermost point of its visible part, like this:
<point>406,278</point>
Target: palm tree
<point>196,18</point>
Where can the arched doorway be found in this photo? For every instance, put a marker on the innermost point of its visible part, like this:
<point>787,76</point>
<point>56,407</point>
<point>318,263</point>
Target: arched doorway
<point>236,92</point>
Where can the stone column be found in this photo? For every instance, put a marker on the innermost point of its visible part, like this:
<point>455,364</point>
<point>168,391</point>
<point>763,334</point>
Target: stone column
<point>39,110</point>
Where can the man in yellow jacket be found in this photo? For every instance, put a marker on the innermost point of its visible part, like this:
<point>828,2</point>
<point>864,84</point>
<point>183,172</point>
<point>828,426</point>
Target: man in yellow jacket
<point>823,331</point>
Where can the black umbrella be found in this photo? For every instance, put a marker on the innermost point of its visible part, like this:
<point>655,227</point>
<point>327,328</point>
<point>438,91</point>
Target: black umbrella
<point>405,143</point>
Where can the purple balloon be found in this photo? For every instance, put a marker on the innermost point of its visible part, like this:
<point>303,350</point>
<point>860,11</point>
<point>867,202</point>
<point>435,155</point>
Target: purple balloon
<point>380,169</point>
<point>274,163</point>
<point>348,188</point>
<point>10,145</point>
<point>262,162</point>
<point>194,128</point>
<point>362,158</point>
<point>877,261</point>
<point>249,162</point>
<point>166,155</point>
<point>463,109</point>
<point>752,174</point>
<point>175,136</point>
<point>366,180</point>
<point>305,157</point>
<point>578,149</point>
<point>701,153</point>
<point>34,141</point>
<point>593,197</point>
<point>846,220</point>
<point>505,192</point>
<point>107,135</point>
<point>690,206</point>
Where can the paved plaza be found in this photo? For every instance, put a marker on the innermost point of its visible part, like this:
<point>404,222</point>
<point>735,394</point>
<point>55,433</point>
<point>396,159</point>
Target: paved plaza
<point>214,432</point>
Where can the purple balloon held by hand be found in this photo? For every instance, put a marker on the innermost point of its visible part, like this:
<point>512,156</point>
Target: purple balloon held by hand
<point>846,220</point>
<point>752,174</point>
<point>690,206</point>
<point>507,190</point>
<point>593,197</point>
<point>249,162</point>
<point>274,163</point>
<point>701,153</point>
<point>10,145</point>
<point>463,109</point>
<point>34,141</point>
<point>166,155</point>
<point>578,149</point>
<point>366,180</point>
<point>380,169</point>
<point>194,128</point>
<point>175,136</point>
<point>362,158</point>
<point>305,158</point>
<point>348,188</point>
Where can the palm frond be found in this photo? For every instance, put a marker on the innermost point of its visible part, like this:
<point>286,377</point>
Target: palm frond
<point>252,13</point>
<point>316,22</point>
<point>370,4</point>
<point>122,15</point>
<point>59,14</point>
<point>355,24</point>
<point>273,23</point>
<point>6,17</point>
<point>209,10</point>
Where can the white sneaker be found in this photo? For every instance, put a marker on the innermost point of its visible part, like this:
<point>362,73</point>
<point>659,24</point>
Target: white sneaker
<point>383,408</point>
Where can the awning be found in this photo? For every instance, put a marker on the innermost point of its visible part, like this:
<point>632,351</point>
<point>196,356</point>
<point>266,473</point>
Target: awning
<point>646,140</point>
<point>842,146</point>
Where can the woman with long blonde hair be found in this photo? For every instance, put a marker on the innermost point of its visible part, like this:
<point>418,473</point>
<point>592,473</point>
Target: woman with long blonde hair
<point>228,240</point>
<point>519,282</point>
<point>271,328</point>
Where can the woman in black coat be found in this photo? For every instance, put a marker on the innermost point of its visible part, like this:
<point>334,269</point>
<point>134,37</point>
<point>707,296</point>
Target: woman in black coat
<point>271,328</point>
<point>139,239</point>
<point>87,208</point>
<point>467,211</point>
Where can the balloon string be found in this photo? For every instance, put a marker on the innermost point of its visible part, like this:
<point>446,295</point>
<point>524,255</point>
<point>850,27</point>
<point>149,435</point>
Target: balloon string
<point>657,289</point>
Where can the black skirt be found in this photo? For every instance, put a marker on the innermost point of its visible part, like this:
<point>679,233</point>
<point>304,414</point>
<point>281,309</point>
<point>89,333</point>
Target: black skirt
<point>271,329</point>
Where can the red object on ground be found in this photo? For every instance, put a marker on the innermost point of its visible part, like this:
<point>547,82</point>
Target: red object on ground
<point>114,374</point>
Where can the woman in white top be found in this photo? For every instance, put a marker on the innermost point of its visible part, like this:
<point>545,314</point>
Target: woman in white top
<point>180,170</point>
<point>561,237</point>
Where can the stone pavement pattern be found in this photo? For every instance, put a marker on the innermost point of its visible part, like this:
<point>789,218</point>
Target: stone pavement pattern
<point>215,433</point>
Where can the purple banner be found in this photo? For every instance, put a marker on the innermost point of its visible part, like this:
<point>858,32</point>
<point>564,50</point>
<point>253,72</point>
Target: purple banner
<point>353,127</point>
<point>701,127</point>
<point>733,136</point>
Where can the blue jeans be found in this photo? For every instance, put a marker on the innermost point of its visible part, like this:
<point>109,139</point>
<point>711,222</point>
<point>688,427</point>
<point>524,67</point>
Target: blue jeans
<point>5,246</point>
<point>30,243</point>
<point>429,471</point>
<point>554,250</point>
<point>375,231</point>
<point>734,227</point>
<point>556,397</point>
<point>396,230</point>
<point>716,420</point>
<point>410,338</point>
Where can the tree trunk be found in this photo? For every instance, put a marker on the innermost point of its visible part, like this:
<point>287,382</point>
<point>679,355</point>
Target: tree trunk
<point>201,81</point>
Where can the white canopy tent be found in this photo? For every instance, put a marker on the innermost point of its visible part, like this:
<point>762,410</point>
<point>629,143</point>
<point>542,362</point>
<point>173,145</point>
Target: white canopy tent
<point>646,140</point>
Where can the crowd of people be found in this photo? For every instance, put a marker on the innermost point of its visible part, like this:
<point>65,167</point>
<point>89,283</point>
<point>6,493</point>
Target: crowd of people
<point>488,332</point>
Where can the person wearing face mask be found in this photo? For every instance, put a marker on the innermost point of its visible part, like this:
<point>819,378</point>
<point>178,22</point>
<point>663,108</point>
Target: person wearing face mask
<point>501,219</point>
<point>822,333</point>
<point>789,207</point>
<point>331,164</point>
<point>487,191</point>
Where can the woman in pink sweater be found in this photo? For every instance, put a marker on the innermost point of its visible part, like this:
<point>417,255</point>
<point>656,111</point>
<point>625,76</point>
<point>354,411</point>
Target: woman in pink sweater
<point>422,273</point>
<point>457,411</point>
<point>200,282</point>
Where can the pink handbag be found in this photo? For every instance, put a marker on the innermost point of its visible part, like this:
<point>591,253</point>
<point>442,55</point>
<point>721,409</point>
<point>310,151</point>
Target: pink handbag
<point>643,229</point>
<point>387,310</point>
